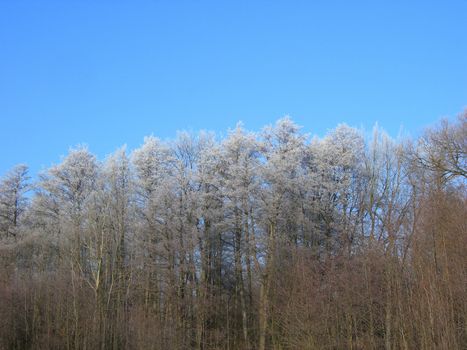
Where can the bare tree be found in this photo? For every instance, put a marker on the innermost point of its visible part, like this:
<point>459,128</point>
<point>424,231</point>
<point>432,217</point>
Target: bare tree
<point>444,149</point>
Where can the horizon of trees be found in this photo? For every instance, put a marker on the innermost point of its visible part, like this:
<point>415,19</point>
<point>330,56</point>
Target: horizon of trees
<point>268,240</point>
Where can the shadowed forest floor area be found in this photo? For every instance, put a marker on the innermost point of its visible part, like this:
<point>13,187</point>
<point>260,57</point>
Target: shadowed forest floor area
<point>267,240</point>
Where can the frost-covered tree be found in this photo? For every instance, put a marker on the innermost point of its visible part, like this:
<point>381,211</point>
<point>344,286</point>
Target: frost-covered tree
<point>337,161</point>
<point>283,151</point>
<point>13,201</point>
<point>153,164</point>
<point>63,190</point>
<point>238,182</point>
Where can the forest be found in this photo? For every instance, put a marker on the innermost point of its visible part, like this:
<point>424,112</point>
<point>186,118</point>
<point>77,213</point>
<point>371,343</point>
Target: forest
<point>256,240</point>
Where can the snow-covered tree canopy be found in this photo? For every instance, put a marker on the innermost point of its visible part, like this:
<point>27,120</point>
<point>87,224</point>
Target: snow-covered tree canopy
<point>257,240</point>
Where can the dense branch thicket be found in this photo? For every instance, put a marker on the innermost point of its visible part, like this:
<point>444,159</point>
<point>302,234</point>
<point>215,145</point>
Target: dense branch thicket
<point>257,241</point>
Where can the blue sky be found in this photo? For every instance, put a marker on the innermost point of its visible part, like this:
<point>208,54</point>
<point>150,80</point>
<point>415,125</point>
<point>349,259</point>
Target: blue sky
<point>106,73</point>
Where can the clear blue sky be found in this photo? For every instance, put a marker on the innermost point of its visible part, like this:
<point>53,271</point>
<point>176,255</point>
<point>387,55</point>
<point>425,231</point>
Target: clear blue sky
<point>106,73</point>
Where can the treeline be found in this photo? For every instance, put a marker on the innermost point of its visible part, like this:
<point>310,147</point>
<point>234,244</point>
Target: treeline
<point>267,240</point>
